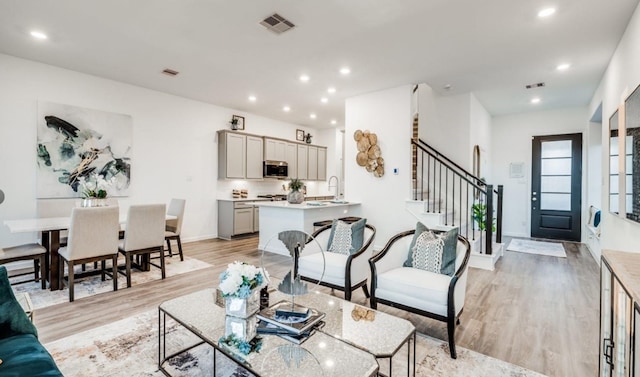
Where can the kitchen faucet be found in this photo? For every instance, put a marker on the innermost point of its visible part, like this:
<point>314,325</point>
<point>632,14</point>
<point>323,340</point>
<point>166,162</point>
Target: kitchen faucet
<point>337,186</point>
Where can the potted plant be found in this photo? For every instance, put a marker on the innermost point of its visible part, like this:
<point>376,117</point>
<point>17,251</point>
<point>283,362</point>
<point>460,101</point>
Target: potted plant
<point>295,196</point>
<point>307,138</point>
<point>94,190</point>
<point>480,222</point>
<point>234,123</point>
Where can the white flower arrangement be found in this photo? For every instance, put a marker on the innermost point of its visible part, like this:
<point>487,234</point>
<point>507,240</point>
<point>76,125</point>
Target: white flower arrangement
<point>95,186</point>
<point>241,278</point>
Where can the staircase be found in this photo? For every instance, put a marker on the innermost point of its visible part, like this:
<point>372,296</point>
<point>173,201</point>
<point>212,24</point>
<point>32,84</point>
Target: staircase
<point>445,196</point>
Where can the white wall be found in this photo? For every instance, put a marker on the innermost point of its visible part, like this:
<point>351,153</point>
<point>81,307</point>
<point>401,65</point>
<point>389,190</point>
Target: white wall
<point>480,134</point>
<point>174,141</point>
<point>388,114</point>
<point>511,142</point>
<point>620,79</point>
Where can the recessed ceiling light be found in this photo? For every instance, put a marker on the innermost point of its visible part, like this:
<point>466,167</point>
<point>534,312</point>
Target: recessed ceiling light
<point>304,78</point>
<point>546,12</point>
<point>563,66</point>
<point>324,99</point>
<point>252,98</point>
<point>535,100</point>
<point>333,121</point>
<point>39,35</point>
<point>286,109</point>
<point>331,90</point>
<point>345,70</point>
<point>312,116</point>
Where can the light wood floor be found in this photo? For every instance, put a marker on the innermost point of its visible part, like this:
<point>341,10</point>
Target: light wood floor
<point>534,311</point>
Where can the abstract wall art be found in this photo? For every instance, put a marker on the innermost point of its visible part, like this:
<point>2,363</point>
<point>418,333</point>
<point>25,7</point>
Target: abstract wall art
<point>75,143</point>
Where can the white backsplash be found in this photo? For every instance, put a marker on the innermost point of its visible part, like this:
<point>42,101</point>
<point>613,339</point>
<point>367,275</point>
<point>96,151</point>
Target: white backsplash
<point>255,188</point>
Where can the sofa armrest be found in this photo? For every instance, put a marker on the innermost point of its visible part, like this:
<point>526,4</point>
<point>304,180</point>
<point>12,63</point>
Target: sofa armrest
<point>357,266</point>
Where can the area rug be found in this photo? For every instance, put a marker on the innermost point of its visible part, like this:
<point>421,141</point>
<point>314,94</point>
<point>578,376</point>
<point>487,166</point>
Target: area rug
<point>94,285</point>
<point>551,249</point>
<point>129,347</point>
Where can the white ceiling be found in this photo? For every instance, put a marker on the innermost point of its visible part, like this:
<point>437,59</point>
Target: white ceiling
<point>492,48</point>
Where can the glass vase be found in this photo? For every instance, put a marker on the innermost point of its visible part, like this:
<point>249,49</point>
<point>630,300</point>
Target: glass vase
<point>93,202</point>
<point>243,307</point>
<point>244,329</point>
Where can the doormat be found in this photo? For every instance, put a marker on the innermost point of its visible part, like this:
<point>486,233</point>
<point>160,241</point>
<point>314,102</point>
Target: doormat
<point>551,249</point>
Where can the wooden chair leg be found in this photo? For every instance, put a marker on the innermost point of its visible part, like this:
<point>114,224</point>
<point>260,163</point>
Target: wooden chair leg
<point>36,269</point>
<point>180,248</point>
<point>103,265</point>
<point>61,272</point>
<point>169,247</point>
<point>162,263</point>
<point>71,288</point>
<point>115,272</point>
<point>43,272</point>
<point>128,264</point>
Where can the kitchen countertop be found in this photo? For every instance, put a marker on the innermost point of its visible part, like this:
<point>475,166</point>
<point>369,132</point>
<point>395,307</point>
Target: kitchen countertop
<point>249,199</point>
<point>305,205</point>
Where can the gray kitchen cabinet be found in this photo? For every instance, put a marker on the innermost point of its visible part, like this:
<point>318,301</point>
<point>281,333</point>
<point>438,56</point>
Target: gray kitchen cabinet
<point>322,164</point>
<point>302,159</point>
<point>236,217</point>
<point>275,149</point>
<point>239,156</point>
<point>254,157</point>
<point>312,161</point>
<point>291,157</point>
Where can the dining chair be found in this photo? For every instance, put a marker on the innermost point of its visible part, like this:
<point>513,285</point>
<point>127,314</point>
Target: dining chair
<point>30,251</point>
<point>174,226</point>
<point>143,236</point>
<point>93,237</point>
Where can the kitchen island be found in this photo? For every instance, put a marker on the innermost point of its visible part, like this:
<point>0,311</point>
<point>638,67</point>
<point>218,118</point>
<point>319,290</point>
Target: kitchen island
<point>276,217</point>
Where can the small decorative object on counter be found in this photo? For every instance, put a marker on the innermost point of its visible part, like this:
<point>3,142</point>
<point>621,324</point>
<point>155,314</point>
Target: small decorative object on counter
<point>295,196</point>
<point>240,285</point>
<point>235,194</point>
<point>244,193</point>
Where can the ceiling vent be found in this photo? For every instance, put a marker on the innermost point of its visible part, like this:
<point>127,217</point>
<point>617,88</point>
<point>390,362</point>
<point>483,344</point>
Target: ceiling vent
<point>277,24</point>
<point>170,72</point>
<point>536,85</point>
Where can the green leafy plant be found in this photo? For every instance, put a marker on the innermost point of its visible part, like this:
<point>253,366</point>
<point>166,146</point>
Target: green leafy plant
<point>295,184</point>
<point>480,216</point>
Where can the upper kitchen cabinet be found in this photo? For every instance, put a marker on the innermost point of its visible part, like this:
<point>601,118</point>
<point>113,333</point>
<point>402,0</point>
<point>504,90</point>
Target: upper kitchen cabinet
<point>312,161</point>
<point>291,157</point>
<point>303,152</point>
<point>239,155</point>
<point>275,149</point>
<point>322,164</point>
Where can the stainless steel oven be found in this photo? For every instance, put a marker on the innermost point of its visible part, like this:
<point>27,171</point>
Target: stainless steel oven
<point>275,169</point>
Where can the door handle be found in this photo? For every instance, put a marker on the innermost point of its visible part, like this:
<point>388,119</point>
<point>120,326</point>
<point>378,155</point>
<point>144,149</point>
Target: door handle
<point>608,351</point>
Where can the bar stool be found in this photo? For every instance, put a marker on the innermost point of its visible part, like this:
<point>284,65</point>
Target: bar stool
<point>32,251</point>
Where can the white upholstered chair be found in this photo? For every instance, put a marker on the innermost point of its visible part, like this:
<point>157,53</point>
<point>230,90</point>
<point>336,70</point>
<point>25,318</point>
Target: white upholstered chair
<point>174,226</point>
<point>419,291</point>
<point>93,236</point>
<point>343,272</point>
<point>144,235</point>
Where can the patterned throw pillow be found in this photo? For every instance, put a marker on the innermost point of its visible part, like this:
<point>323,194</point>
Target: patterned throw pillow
<point>346,238</point>
<point>427,252</point>
<point>450,245</point>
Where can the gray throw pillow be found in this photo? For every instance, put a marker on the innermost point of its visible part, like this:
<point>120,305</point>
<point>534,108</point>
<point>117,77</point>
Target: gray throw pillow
<point>339,236</point>
<point>420,227</point>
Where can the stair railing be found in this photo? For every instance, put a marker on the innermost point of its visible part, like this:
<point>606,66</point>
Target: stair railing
<point>451,188</point>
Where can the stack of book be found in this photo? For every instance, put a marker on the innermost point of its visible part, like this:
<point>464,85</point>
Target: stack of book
<point>289,321</point>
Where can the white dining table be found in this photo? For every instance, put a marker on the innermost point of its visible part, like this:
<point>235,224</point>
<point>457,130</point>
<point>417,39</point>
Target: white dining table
<point>49,229</point>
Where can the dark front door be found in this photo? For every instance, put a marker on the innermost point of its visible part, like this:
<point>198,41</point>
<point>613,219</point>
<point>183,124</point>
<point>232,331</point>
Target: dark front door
<point>556,187</point>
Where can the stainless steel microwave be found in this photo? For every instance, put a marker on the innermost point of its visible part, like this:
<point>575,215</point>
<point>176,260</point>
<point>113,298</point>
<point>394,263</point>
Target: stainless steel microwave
<point>275,169</point>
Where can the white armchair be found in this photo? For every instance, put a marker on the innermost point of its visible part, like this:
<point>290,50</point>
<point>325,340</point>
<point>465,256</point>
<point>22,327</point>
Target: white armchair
<point>430,294</point>
<point>343,272</point>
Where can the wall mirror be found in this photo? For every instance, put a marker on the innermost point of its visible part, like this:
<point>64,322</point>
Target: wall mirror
<point>632,155</point>
<point>624,159</point>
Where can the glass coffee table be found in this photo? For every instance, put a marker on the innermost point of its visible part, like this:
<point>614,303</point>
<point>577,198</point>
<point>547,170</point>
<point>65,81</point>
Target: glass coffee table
<point>326,355</point>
